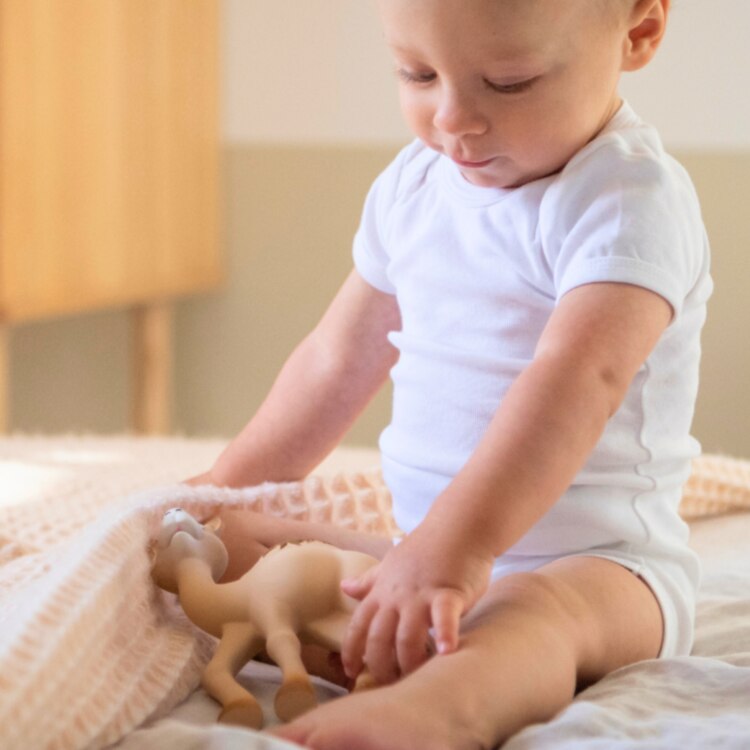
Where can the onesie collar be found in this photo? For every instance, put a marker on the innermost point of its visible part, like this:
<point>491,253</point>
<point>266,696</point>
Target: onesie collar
<point>467,192</point>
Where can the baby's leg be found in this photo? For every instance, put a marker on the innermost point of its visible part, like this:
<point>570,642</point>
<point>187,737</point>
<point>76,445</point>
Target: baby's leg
<point>525,648</point>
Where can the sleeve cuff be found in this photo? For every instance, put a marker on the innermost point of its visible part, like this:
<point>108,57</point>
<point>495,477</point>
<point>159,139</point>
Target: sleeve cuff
<point>624,271</point>
<point>371,271</point>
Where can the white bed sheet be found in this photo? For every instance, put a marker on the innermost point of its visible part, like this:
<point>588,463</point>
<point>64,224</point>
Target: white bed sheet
<point>690,703</point>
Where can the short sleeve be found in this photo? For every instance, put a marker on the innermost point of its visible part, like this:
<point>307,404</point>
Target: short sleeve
<point>370,250</point>
<point>625,214</point>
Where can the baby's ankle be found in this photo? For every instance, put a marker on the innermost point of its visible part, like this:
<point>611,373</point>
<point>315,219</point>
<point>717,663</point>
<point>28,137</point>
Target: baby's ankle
<point>453,693</point>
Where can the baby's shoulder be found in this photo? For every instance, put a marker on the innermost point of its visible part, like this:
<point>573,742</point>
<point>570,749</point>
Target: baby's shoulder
<point>625,170</point>
<point>627,158</point>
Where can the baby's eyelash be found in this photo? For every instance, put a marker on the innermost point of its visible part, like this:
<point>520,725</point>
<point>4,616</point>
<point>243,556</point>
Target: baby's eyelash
<point>502,88</point>
<point>512,88</point>
<point>409,77</point>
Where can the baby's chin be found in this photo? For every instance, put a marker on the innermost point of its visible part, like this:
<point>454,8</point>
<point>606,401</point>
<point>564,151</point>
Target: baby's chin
<point>505,174</point>
<point>500,174</point>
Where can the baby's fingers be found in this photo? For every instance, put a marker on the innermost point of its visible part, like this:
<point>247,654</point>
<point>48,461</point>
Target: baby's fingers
<point>352,653</point>
<point>412,640</point>
<point>446,610</point>
<point>380,655</point>
<point>359,587</point>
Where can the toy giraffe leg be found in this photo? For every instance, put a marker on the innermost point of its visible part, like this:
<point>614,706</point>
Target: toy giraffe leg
<point>296,694</point>
<point>239,643</point>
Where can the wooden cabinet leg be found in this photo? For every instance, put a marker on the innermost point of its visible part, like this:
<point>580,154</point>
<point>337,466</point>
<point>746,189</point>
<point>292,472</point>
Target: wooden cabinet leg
<point>4,378</point>
<point>152,368</point>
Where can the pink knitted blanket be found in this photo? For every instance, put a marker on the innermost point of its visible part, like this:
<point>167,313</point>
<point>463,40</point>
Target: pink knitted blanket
<point>89,649</point>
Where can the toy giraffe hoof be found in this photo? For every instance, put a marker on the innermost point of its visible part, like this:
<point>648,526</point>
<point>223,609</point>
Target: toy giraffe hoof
<point>293,698</point>
<point>243,713</point>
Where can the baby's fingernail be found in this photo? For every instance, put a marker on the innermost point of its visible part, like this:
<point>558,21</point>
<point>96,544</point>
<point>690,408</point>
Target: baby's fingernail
<point>444,647</point>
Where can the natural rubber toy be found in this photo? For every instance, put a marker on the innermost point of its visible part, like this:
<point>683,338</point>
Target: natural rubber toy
<point>292,595</point>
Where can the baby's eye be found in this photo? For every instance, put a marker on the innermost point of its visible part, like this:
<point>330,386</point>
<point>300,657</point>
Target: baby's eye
<point>410,77</point>
<point>512,88</point>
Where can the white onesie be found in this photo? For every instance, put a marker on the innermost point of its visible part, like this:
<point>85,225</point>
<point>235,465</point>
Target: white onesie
<point>477,273</point>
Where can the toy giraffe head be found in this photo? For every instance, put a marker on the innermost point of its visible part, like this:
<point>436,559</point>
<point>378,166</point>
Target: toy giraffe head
<point>180,538</point>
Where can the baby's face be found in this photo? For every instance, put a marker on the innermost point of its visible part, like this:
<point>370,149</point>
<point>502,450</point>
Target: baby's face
<point>508,89</point>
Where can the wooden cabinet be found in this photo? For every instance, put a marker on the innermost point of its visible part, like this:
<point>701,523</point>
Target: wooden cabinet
<point>109,178</point>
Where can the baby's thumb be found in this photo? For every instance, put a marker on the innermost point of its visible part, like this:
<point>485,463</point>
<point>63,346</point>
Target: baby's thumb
<point>446,611</point>
<point>359,587</point>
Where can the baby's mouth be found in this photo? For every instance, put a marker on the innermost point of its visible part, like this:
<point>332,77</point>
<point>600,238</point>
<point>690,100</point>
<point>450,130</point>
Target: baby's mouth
<point>473,164</point>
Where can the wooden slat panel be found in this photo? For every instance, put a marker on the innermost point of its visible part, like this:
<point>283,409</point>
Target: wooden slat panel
<point>153,338</point>
<point>4,377</point>
<point>109,148</point>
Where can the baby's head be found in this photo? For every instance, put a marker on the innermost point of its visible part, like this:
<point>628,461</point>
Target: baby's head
<point>512,89</point>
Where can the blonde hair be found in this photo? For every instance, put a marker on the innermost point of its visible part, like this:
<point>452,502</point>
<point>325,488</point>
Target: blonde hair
<point>615,9</point>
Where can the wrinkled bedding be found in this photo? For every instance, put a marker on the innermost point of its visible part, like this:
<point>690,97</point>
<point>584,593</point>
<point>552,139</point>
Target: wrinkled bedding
<point>692,702</point>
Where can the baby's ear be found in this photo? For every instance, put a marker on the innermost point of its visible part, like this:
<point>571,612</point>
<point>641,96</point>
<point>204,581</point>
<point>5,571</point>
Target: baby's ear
<point>214,525</point>
<point>152,553</point>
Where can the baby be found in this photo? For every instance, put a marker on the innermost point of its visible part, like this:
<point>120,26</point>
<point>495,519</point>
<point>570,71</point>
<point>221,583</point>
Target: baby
<point>533,272</point>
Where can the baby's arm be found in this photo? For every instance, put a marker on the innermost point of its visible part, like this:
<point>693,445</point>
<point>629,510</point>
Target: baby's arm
<point>247,535</point>
<point>548,423</point>
<point>321,389</point>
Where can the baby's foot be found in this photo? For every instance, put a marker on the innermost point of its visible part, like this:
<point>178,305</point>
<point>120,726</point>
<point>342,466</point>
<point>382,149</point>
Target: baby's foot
<point>397,717</point>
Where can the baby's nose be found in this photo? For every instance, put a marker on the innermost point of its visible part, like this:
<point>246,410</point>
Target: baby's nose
<point>458,115</point>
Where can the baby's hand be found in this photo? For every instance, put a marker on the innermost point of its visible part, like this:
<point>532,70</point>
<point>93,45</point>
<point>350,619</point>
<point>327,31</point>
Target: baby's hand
<point>420,584</point>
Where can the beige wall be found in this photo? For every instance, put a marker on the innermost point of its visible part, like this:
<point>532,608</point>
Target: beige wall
<point>307,127</point>
<point>292,213</point>
<point>723,413</point>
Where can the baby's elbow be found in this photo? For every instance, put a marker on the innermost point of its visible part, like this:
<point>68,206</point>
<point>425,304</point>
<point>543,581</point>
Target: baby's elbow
<point>598,385</point>
<point>613,384</point>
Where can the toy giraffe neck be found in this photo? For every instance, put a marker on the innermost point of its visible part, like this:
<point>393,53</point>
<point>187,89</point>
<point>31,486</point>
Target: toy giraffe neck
<point>208,604</point>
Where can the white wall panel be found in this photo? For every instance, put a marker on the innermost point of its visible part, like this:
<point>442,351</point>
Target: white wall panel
<point>696,91</point>
<point>317,71</point>
<point>307,71</point>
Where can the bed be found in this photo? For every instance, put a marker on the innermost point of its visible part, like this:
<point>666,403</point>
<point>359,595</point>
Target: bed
<point>92,656</point>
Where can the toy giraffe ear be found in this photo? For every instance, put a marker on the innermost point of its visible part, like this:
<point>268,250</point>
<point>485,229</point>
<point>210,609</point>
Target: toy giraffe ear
<point>214,525</point>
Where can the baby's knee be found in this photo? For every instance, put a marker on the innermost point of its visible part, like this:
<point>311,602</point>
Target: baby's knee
<point>536,603</point>
<point>525,627</point>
